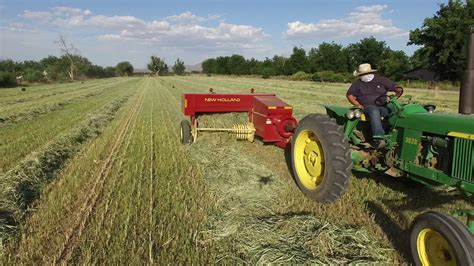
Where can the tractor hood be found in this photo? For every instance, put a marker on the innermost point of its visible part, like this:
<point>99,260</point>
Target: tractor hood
<point>439,123</point>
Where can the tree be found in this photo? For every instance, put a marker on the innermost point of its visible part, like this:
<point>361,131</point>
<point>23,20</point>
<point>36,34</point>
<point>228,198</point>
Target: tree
<point>444,36</point>
<point>209,66</point>
<point>32,75</point>
<point>222,65</point>
<point>253,66</point>
<point>328,57</point>
<point>237,65</point>
<point>281,65</point>
<point>179,67</point>
<point>298,60</point>
<point>395,64</point>
<point>69,52</point>
<point>420,58</point>
<point>7,79</point>
<point>157,65</point>
<point>124,68</point>
<point>367,50</point>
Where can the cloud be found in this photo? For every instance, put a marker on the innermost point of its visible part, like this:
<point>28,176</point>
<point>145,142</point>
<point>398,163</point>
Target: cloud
<point>190,17</point>
<point>170,31</point>
<point>18,27</point>
<point>65,11</point>
<point>186,16</point>
<point>36,15</point>
<point>371,9</point>
<point>362,22</point>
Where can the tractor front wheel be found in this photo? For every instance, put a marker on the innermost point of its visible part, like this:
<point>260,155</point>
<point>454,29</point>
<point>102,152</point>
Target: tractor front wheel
<point>321,158</point>
<point>185,132</point>
<point>439,239</point>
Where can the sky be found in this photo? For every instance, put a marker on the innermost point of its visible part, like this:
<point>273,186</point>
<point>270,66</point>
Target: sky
<point>110,31</point>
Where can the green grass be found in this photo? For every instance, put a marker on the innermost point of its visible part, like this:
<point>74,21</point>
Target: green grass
<point>17,140</point>
<point>134,194</point>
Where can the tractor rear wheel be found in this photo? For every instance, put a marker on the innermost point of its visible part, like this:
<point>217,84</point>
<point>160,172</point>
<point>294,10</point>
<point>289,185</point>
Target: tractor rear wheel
<point>440,239</point>
<point>185,132</point>
<point>321,158</point>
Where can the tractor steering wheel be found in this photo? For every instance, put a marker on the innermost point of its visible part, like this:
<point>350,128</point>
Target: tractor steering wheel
<point>382,100</point>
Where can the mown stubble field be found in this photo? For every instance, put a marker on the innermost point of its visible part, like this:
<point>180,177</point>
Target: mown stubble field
<point>94,172</point>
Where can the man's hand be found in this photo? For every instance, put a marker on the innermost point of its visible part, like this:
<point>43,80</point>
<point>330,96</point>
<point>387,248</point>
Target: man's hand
<point>359,106</point>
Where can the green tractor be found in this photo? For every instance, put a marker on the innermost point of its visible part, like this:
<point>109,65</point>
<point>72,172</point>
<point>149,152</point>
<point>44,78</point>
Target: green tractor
<point>421,144</point>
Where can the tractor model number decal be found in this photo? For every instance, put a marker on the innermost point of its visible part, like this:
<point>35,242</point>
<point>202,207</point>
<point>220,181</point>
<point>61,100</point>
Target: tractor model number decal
<point>411,141</point>
<point>222,100</point>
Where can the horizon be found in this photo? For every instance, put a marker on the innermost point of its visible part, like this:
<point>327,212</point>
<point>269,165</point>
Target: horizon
<point>108,33</point>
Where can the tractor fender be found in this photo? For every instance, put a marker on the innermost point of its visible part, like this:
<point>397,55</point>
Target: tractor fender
<point>338,113</point>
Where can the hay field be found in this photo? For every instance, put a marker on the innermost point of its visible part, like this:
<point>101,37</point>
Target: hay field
<point>94,172</point>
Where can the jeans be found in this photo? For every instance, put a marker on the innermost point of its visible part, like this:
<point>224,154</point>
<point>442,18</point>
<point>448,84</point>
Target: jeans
<point>375,113</point>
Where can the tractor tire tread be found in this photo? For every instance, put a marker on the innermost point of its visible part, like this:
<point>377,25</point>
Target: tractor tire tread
<point>336,150</point>
<point>450,228</point>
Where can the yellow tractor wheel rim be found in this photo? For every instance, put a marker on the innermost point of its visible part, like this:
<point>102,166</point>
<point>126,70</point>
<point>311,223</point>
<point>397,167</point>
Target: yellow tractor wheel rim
<point>434,249</point>
<point>309,159</point>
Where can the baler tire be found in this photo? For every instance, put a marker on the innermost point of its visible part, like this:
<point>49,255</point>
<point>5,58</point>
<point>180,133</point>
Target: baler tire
<point>444,230</point>
<point>336,153</point>
<point>185,132</point>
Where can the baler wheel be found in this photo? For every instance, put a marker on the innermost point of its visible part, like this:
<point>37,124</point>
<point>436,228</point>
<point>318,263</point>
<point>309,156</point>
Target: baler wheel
<point>440,239</point>
<point>321,158</point>
<point>185,132</point>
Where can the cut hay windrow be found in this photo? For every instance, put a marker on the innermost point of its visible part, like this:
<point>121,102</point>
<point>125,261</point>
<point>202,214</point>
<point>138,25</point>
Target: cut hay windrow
<point>32,113</point>
<point>25,110</point>
<point>22,185</point>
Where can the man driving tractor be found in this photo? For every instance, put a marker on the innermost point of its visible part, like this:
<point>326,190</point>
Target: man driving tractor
<point>369,93</point>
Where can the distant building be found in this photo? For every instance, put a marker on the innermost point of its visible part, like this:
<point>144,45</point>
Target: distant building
<point>421,73</point>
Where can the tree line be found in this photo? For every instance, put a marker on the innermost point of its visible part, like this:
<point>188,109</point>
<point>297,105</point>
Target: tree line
<point>443,40</point>
<point>328,60</point>
<point>72,67</point>
<point>51,68</point>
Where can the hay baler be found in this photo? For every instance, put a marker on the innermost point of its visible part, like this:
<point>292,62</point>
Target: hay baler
<point>269,117</point>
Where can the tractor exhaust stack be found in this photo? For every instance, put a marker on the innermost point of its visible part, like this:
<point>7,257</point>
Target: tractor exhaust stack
<point>466,95</point>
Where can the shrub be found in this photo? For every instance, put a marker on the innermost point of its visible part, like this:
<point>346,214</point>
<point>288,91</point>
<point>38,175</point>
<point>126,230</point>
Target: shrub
<point>301,75</point>
<point>7,79</point>
<point>330,76</point>
<point>267,72</point>
<point>33,75</point>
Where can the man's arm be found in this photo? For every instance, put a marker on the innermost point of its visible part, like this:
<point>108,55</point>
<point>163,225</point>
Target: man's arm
<point>351,92</point>
<point>352,99</point>
<point>392,86</point>
<point>398,90</point>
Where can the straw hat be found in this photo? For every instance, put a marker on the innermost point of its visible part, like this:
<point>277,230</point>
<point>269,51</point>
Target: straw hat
<point>364,69</point>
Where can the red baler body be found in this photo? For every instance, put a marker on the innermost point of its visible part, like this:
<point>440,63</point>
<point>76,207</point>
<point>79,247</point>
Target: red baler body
<point>271,117</point>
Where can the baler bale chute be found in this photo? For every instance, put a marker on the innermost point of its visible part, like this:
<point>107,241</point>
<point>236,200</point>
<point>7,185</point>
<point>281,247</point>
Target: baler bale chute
<point>269,117</point>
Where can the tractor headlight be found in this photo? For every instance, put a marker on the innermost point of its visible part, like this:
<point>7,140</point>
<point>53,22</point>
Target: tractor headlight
<point>350,114</point>
<point>357,113</point>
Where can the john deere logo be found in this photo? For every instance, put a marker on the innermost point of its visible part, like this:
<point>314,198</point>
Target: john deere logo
<point>222,100</point>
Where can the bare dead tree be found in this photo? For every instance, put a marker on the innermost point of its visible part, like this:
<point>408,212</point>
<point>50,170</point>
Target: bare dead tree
<point>70,52</point>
